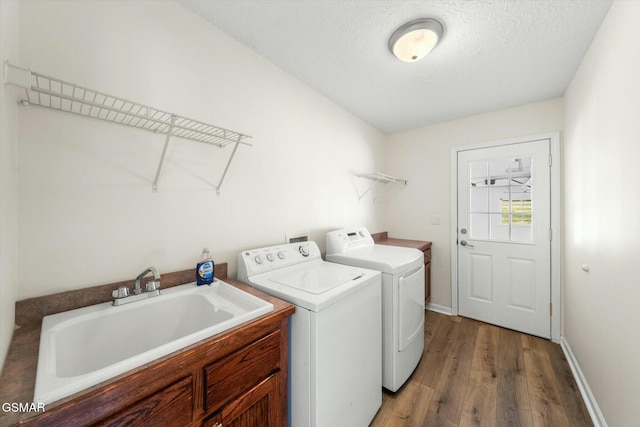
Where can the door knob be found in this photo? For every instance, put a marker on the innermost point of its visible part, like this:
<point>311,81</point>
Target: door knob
<point>465,243</point>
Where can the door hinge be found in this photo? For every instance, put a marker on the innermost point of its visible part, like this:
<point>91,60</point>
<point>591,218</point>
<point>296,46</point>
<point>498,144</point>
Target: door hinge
<point>550,160</point>
<point>550,234</point>
<point>550,309</point>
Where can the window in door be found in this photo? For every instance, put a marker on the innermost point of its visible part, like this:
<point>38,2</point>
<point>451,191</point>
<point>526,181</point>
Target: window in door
<point>501,204</point>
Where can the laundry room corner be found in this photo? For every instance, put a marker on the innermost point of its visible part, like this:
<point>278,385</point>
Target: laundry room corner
<point>422,210</point>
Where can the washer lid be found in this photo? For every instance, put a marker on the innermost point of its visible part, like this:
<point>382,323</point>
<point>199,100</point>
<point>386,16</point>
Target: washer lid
<point>314,285</point>
<point>318,279</point>
<point>387,259</point>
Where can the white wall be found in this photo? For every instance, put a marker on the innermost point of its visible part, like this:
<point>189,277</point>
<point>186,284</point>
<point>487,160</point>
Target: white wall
<point>87,212</point>
<point>423,157</point>
<point>602,127</point>
<point>8,180</point>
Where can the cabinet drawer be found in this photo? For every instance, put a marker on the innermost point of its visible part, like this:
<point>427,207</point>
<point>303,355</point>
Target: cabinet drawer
<point>256,407</point>
<point>427,255</point>
<point>231,376</point>
<point>171,406</point>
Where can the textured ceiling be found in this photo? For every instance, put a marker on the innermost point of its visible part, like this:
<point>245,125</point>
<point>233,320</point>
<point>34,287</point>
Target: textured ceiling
<point>494,53</point>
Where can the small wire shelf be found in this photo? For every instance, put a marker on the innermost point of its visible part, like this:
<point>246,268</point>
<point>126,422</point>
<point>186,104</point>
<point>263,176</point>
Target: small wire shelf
<point>382,178</point>
<point>50,92</point>
<point>379,177</point>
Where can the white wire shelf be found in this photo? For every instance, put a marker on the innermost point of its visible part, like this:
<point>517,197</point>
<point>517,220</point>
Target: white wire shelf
<point>379,177</point>
<point>50,92</point>
<point>382,178</point>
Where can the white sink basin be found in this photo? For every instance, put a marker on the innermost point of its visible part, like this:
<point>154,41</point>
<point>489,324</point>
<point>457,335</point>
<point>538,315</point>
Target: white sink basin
<point>84,347</point>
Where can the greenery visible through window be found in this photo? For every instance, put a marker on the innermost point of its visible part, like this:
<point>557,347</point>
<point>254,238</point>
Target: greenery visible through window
<point>520,210</point>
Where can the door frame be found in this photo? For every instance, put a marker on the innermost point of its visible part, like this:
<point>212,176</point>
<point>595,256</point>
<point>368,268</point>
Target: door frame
<point>556,232</point>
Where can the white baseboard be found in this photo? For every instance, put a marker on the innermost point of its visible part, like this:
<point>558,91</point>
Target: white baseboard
<point>439,308</point>
<point>589,399</point>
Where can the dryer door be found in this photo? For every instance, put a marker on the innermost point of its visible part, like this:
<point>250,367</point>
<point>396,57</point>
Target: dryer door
<point>411,307</point>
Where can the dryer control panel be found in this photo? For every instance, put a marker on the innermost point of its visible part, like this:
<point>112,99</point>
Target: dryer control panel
<point>261,260</point>
<point>346,239</point>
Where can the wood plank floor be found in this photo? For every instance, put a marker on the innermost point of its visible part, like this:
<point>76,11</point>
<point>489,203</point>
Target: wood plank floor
<point>475,374</point>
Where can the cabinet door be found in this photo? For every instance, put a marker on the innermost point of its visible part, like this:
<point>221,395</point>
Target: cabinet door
<point>427,283</point>
<point>427,276</point>
<point>171,406</point>
<point>258,407</point>
<point>230,377</point>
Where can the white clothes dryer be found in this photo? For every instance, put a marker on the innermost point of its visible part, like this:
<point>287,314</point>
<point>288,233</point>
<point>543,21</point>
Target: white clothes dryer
<point>334,334</point>
<point>402,297</point>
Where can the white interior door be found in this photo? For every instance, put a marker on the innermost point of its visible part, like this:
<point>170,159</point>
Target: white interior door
<point>504,248</point>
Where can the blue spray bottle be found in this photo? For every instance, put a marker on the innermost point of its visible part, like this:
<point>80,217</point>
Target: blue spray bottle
<point>204,269</point>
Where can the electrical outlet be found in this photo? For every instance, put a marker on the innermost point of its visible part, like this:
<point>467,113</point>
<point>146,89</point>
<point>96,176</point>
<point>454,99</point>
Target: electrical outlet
<point>435,219</point>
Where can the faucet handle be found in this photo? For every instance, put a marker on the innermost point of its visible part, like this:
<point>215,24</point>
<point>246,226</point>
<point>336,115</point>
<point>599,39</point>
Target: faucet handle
<point>121,292</point>
<point>153,285</point>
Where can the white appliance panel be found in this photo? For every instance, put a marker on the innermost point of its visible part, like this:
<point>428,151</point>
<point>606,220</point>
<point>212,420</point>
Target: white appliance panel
<point>411,301</point>
<point>300,337</point>
<point>348,360</point>
<point>335,338</point>
<point>402,297</point>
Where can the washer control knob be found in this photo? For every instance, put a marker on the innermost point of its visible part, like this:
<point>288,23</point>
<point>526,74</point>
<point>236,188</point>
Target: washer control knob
<point>304,250</point>
<point>258,259</point>
<point>271,257</point>
<point>281,255</point>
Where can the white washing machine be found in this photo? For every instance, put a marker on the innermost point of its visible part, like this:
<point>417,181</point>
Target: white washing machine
<point>334,335</point>
<point>402,297</point>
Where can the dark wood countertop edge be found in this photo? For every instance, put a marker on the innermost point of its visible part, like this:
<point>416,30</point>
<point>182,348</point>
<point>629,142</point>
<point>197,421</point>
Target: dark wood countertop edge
<point>377,237</point>
<point>384,239</point>
<point>17,380</point>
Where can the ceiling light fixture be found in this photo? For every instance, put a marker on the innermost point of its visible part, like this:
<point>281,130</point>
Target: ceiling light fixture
<point>415,39</point>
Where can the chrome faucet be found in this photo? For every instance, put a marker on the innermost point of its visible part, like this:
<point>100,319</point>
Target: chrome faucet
<point>151,285</point>
<point>152,289</point>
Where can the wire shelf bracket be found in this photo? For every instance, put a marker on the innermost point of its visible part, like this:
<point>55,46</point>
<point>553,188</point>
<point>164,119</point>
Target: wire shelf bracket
<point>37,89</point>
<point>381,178</point>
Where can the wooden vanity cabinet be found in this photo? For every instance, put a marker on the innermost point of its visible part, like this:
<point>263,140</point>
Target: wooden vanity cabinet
<point>241,389</point>
<point>171,406</point>
<point>232,390</point>
<point>234,379</point>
